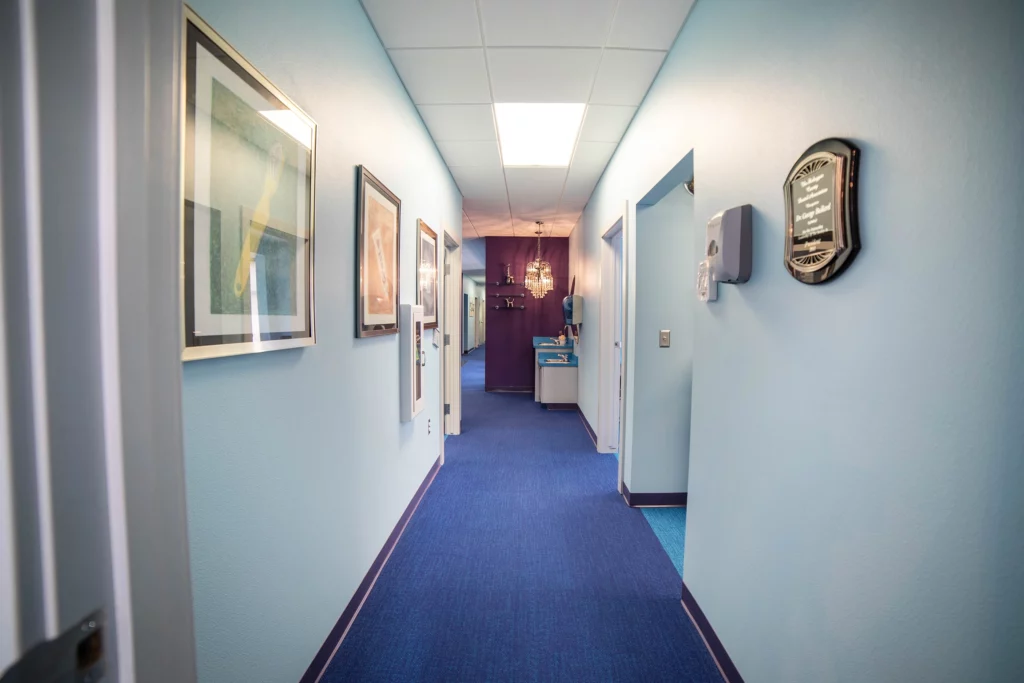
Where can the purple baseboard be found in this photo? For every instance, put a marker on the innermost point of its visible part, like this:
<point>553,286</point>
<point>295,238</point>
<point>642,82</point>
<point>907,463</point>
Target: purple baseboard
<point>326,653</point>
<point>510,390</point>
<point>590,430</point>
<point>653,500</point>
<point>729,671</point>
<point>561,406</point>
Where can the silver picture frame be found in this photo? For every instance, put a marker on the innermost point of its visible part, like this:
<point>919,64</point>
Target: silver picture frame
<point>248,179</point>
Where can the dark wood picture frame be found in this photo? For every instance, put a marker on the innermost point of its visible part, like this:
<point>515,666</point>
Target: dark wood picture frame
<point>370,323</point>
<point>429,317</point>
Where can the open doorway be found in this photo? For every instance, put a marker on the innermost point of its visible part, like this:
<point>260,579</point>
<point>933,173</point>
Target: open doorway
<point>649,264</point>
<point>612,340</point>
<point>454,331</point>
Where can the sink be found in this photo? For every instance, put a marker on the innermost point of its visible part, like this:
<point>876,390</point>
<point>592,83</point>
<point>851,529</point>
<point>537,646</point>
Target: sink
<point>550,344</point>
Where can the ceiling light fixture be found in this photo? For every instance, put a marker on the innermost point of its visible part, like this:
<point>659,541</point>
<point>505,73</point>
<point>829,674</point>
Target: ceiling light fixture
<point>538,273</point>
<point>538,134</point>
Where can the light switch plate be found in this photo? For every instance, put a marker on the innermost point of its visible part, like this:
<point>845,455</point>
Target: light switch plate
<point>665,338</point>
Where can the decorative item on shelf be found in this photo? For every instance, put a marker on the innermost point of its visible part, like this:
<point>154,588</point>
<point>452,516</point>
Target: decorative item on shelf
<point>247,205</point>
<point>510,304</point>
<point>538,272</point>
<point>377,269</point>
<point>509,279</point>
<point>426,275</point>
<point>508,296</point>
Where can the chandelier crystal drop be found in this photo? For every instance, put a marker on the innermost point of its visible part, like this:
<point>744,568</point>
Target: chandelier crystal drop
<point>538,272</point>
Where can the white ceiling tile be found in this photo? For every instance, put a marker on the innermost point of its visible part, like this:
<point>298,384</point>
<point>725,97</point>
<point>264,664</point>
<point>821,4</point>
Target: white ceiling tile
<point>459,121</point>
<point>425,23</point>
<point>481,182</point>
<point>468,229</point>
<point>495,228</point>
<point>625,76</point>
<point>648,24</point>
<point>534,190</point>
<point>472,152</point>
<point>604,123</point>
<point>525,225</point>
<point>594,153</point>
<point>572,205</point>
<point>562,228</point>
<point>478,209</point>
<point>444,76</point>
<point>570,23</point>
<point>542,75</point>
<point>581,180</point>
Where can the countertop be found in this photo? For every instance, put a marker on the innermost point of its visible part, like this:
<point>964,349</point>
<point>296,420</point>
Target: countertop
<point>546,341</point>
<point>545,360</point>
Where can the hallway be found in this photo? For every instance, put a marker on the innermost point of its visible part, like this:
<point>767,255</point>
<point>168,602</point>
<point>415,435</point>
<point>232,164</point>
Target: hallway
<point>523,564</point>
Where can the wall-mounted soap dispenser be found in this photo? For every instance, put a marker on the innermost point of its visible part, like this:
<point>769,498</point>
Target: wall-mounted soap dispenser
<point>727,251</point>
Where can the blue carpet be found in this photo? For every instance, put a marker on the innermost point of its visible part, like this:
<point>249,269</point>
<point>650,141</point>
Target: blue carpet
<point>522,563</point>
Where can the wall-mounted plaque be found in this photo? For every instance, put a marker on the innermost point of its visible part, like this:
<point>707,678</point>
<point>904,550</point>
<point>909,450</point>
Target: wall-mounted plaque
<point>821,212</point>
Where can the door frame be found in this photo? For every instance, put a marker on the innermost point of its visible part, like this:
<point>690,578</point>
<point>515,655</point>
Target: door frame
<point>608,441</point>
<point>451,323</point>
<point>609,389</point>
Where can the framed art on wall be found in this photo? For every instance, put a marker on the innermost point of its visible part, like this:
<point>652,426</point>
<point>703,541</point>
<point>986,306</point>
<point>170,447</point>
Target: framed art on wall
<point>426,275</point>
<point>377,251</point>
<point>249,160</point>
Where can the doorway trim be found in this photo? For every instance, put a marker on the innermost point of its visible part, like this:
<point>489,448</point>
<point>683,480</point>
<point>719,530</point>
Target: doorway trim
<point>451,323</point>
<point>610,394</point>
<point>606,379</point>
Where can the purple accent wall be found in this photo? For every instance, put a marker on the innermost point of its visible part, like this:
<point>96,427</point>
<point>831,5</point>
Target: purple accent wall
<point>509,361</point>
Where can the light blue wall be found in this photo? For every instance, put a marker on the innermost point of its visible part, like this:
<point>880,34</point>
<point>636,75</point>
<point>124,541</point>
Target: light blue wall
<point>659,456</point>
<point>856,449</point>
<point>297,465</point>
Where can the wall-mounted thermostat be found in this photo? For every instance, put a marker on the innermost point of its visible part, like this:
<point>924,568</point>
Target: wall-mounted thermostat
<point>411,366</point>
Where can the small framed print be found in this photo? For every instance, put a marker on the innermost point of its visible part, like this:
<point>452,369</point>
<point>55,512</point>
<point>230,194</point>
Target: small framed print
<point>426,275</point>
<point>249,160</point>
<point>377,252</point>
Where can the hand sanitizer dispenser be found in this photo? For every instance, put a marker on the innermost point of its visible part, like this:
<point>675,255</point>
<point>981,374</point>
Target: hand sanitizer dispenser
<point>728,256</point>
<point>411,365</point>
<point>572,307</point>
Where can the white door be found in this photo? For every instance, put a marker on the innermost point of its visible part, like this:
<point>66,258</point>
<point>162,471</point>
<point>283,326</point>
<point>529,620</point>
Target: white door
<point>94,573</point>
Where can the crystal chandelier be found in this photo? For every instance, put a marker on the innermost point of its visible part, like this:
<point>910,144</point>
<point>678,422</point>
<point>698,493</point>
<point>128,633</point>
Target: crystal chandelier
<point>538,273</point>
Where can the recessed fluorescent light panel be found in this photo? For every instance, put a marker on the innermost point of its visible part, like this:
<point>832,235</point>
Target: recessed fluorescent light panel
<point>538,134</point>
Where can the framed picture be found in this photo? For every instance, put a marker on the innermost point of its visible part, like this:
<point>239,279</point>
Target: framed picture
<point>249,160</point>
<point>377,249</point>
<point>426,275</point>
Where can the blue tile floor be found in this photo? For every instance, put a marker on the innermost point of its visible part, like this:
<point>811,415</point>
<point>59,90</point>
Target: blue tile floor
<point>669,525</point>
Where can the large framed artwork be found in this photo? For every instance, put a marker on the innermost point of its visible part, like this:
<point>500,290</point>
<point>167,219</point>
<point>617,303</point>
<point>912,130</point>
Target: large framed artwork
<point>249,163</point>
<point>426,275</point>
<point>377,250</point>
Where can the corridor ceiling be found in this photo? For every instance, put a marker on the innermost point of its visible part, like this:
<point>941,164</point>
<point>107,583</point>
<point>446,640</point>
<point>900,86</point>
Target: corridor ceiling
<point>458,58</point>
